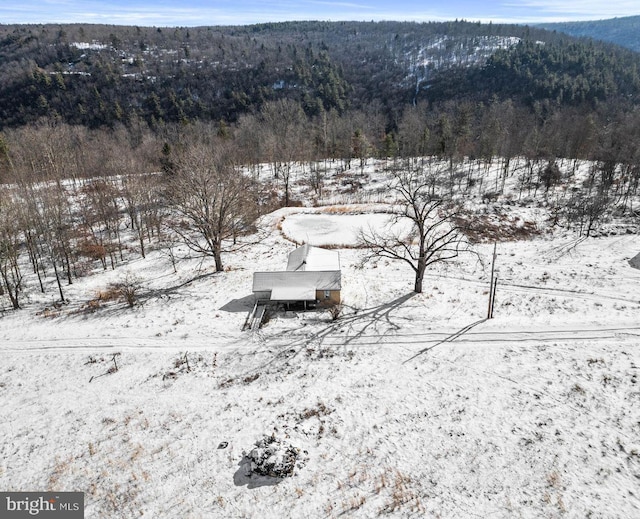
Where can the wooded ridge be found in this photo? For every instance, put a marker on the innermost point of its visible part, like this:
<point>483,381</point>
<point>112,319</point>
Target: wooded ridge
<point>100,76</point>
<point>622,31</point>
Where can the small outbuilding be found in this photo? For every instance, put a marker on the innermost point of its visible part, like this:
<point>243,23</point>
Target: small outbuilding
<point>635,262</point>
<point>313,276</point>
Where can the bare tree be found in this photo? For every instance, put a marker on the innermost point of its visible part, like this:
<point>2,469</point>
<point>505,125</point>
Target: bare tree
<point>413,132</point>
<point>127,288</point>
<point>284,136</point>
<point>433,234</point>
<point>57,232</point>
<point>584,212</point>
<point>141,197</point>
<point>10,240</point>
<point>101,217</point>
<point>212,200</point>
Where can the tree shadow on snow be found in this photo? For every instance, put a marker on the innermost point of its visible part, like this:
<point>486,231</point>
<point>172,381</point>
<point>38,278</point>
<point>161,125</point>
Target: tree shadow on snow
<point>372,318</point>
<point>451,338</point>
<point>244,476</point>
<point>169,292</point>
<point>378,321</point>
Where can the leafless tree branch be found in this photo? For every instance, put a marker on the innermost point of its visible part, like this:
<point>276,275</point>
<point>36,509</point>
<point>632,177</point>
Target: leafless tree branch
<point>434,234</point>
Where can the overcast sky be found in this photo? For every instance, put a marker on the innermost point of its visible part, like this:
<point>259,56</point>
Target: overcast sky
<point>236,12</point>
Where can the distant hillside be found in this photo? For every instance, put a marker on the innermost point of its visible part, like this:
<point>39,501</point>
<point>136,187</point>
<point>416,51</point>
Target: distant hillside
<point>99,76</point>
<point>621,31</point>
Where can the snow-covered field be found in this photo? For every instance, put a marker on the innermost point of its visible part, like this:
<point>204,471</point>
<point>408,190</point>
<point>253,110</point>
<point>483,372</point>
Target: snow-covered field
<point>407,405</point>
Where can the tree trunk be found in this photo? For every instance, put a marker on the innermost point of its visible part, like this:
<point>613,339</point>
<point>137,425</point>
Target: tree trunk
<point>55,270</point>
<point>13,290</point>
<point>141,240</point>
<point>420,270</point>
<point>67,265</point>
<point>217,256</point>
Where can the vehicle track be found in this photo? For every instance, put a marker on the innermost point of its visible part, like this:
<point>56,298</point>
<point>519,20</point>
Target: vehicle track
<point>511,286</point>
<point>334,338</point>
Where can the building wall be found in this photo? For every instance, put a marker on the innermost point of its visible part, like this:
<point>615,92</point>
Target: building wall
<point>333,299</point>
<point>265,281</point>
<point>266,294</point>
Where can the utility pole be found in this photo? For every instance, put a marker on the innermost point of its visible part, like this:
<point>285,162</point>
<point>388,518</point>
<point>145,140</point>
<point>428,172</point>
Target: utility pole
<point>493,296</point>
<point>493,283</point>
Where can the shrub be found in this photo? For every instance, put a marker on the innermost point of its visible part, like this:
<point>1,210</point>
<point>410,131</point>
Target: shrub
<point>335,311</point>
<point>271,457</point>
<point>126,290</point>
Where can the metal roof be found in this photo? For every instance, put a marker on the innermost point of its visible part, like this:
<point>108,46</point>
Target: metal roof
<point>318,280</point>
<point>311,258</point>
<point>293,294</point>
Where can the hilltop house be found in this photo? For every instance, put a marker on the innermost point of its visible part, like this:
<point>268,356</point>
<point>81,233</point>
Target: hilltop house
<point>312,276</point>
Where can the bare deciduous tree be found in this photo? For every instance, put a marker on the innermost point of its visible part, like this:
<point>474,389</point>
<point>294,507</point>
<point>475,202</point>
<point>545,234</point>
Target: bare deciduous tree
<point>10,240</point>
<point>141,197</point>
<point>413,132</point>
<point>127,289</point>
<point>284,134</point>
<point>100,216</point>
<point>433,234</point>
<point>57,232</point>
<point>212,200</point>
<point>584,212</point>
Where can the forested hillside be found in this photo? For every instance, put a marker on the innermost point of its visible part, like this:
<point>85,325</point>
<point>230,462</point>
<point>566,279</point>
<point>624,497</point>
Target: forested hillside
<point>104,75</point>
<point>98,100</point>
<point>623,31</point>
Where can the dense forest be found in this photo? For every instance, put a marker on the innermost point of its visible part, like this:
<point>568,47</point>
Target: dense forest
<point>473,89</point>
<point>99,76</point>
<point>324,90</point>
<point>622,31</point>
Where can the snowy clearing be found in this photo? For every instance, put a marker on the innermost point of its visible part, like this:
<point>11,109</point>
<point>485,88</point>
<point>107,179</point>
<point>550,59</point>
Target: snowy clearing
<point>407,405</point>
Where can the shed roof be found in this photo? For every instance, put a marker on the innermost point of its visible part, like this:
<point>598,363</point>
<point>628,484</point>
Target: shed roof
<point>309,258</point>
<point>635,262</point>
<point>293,294</point>
<point>317,280</point>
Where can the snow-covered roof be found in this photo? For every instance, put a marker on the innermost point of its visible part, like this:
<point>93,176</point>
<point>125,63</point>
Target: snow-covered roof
<point>316,280</point>
<point>293,293</point>
<point>308,269</point>
<point>311,258</point>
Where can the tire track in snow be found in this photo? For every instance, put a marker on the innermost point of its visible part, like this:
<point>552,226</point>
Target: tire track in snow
<point>563,292</point>
<point>548,291</point>
<point>332,338</point>
<point>120,344</point>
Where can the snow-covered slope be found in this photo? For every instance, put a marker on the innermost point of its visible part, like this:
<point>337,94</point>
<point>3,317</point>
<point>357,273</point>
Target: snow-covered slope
<point>407,405</point>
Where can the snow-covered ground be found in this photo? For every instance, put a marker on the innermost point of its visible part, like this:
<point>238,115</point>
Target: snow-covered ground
<point>407,405</point>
